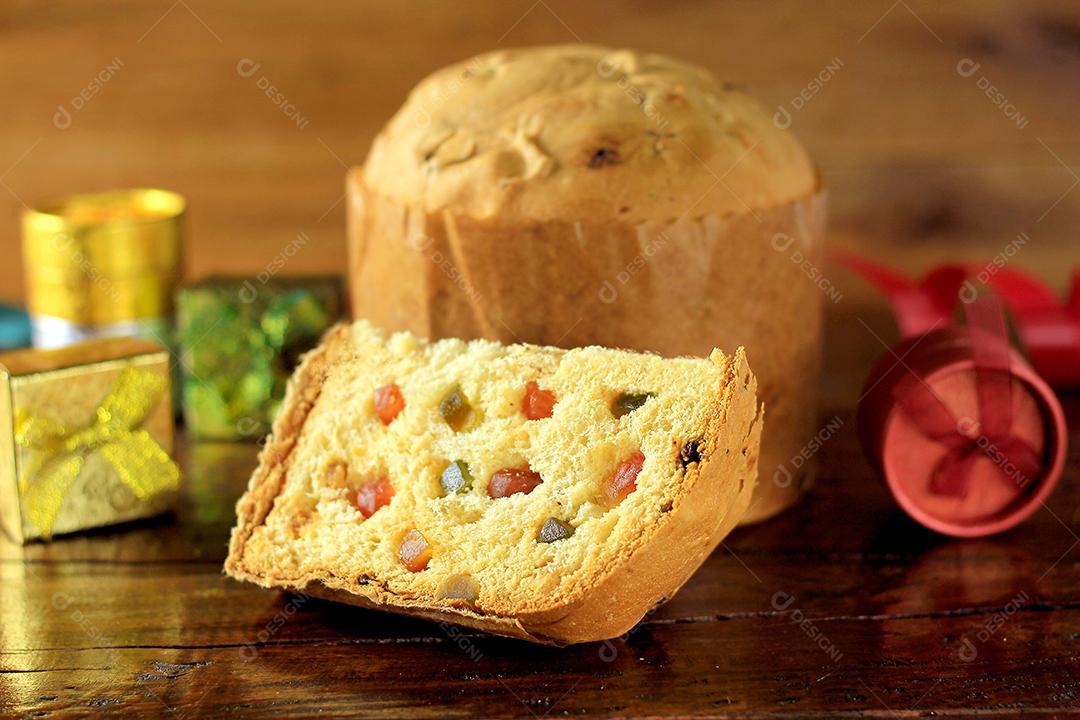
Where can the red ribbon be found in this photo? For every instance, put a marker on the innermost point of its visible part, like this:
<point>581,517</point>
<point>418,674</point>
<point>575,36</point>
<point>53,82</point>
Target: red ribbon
<point>921,307</point>
<point>917,306</point>
<point>1049,329</point>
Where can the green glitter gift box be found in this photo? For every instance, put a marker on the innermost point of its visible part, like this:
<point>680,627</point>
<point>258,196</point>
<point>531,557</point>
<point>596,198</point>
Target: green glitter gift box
<point>240,339</point>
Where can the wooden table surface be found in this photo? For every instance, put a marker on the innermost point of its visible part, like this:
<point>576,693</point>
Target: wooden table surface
<point>840,607</point>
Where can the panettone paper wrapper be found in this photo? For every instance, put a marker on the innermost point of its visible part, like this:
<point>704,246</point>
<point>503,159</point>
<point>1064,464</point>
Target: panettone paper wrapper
<point>86,442</point>
<point>675,288</point>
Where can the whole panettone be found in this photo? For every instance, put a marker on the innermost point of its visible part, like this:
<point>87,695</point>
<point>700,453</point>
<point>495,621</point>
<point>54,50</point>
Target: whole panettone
<point>576,195</point>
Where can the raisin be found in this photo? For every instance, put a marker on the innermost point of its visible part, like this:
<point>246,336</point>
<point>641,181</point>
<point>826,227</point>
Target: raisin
<point>336,473</point>
<point>602,156</point>
<point>690,453</point>
<point>459,587</point>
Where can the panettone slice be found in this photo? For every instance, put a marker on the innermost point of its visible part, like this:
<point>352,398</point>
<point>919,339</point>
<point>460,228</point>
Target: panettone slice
<point>553,495</point>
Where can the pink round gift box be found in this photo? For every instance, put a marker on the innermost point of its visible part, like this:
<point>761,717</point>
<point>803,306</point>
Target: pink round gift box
<point>905,457</point>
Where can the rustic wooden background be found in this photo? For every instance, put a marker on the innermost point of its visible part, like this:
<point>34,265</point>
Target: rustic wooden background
<point>920,162</point>
<point>922,166</point>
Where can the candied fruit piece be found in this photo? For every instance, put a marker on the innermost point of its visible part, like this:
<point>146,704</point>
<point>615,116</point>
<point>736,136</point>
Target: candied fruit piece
<point>456,478</point>
<point>335,474</point>
<point>624,480</point>
<point>388,402</point>
<point>537,404</point>
<point>457,412</point>
<point>554,529</point>
<point>626,403</point>
<point>510,481</point>
<point>414,551</point>
<point>459,586</point>
<point>373,495</point>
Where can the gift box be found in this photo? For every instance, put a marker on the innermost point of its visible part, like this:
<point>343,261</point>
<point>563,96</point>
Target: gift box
<point>14,328</point>
<point>240,339</point>
<point>86,434</point>
<point>967,436</point>
<point>103,264</point>
<point>967,447</point>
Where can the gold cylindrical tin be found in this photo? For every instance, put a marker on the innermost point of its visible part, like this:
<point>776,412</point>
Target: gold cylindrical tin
<point>102,263</point>
<point>103,301</point>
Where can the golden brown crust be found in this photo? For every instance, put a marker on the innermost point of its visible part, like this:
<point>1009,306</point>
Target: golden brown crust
<point>648,572</point>
<point>579,131</point>
<point>267,480</point>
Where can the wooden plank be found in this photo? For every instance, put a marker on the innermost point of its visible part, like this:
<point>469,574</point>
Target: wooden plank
<point>878,668</point>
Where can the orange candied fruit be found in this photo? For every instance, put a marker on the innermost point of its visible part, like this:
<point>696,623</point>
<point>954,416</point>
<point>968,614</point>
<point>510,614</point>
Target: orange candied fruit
<point>388,402</point>
<point>414,551</point>
<point>510,481</point>
<point>624,480</point>
<point>373,495</point>
<point>537,404</point>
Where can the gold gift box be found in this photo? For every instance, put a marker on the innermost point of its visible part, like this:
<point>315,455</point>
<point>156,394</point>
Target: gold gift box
<point>86,437</point>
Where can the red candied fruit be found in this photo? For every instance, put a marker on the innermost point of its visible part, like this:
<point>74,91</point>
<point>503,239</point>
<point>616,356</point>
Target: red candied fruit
<point>388,402</point>
<point>537,404</point>
<point>373,495</point>
<point>624,480</point>
<point>510,481</point>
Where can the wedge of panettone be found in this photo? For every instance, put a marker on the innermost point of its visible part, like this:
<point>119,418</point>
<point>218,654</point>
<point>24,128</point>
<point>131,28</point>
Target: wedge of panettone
<point>553,495</point>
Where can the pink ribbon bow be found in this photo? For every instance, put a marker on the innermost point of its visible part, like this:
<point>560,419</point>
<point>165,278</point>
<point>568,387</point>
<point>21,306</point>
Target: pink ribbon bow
<point>1049,329</point>
<point>920,307</point>
<point>989,435</point>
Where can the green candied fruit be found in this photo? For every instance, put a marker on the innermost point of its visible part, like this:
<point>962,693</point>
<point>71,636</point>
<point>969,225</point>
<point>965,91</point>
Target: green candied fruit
<point>457,412</point>
<point>626,403</point>
<point>456,478</point>
<point>554,529</point>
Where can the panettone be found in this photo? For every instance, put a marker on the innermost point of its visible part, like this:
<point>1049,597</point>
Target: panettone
<point>576,195</point>
<point>553,495</point>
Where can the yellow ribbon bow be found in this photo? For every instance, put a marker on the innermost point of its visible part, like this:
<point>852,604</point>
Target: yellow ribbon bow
<point>140,463</point>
